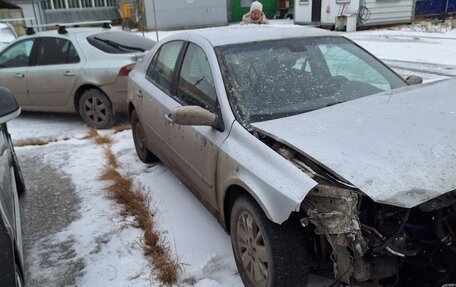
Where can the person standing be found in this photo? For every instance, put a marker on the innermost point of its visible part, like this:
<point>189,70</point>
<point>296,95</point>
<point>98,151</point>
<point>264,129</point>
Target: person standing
<point>255,16</point>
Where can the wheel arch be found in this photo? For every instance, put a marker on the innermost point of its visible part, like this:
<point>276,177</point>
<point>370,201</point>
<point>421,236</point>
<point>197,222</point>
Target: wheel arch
<point>131,108</point>
<point>232,193</point>
<point>80,91</point>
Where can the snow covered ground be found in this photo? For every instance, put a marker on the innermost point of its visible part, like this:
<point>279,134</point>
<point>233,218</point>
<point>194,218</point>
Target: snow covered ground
<point>105,240</point>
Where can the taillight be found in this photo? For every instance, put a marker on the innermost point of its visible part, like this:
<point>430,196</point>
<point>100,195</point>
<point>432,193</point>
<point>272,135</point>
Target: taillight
<point>125,70</point>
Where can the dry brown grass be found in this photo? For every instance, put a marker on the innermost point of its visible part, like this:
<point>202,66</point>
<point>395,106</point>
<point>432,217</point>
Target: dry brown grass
<point>97,138</point>
<point>136,202</point>
<point>121,128</point>
<point>91,134</point>
<point>111,159</point>
<point>34,141</point>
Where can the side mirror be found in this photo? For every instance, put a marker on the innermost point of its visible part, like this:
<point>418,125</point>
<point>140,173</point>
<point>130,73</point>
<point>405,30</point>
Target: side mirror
<point>194,116</point>
<point>9,109</point>
<point>414,80</point>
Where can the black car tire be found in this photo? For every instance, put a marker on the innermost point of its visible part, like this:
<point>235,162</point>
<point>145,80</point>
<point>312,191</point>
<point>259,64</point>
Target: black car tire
<point>96,109</point>
<point>283,246</point>
<point>139,139</point>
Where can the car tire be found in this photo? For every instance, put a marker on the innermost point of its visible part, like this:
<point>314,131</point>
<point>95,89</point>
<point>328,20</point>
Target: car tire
<point>139,139</point>
<point>96,109</point>
<point>273,255</point>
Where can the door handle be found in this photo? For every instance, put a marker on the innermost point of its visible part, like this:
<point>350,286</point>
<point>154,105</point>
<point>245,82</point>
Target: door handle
<point>19,75</point>
<point>169,118</point>
<point>139,93</point>
<point>69,74</point>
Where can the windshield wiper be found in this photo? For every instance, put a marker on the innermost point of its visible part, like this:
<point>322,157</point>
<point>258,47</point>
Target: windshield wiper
<point>199,81</point>
<point>117,45</point>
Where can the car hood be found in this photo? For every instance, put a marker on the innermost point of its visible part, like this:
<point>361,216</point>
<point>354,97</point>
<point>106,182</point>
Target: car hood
<point>398,147</point>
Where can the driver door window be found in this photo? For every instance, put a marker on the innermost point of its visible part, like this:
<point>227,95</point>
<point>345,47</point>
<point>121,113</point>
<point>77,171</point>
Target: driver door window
<point>196,84</point>
<point>17,55</point>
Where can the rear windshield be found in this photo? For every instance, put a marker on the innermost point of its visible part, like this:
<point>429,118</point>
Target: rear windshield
<point>118,42</point>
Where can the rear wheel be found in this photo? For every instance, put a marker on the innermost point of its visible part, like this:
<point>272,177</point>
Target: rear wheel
<point>267,254</point>
<point>139,138</point>
<point>96,109</point>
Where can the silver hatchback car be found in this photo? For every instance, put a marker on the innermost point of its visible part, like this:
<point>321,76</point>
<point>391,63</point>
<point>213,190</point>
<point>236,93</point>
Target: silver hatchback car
<point>312,153</point>
<point>81,70</point>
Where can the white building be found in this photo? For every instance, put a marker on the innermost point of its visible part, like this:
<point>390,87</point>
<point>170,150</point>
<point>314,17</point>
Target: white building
<point>351,14</point>
<point>67,11</point>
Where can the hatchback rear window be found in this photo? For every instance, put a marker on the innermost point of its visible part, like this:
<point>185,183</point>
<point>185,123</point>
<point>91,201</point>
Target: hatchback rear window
<point>118,42</point>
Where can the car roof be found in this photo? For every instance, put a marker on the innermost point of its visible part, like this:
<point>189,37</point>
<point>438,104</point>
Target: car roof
<point>237,34</point>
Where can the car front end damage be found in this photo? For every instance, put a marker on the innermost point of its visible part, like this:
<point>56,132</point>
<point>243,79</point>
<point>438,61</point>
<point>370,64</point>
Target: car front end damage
<point>383,211</point>
<point>373,244</point>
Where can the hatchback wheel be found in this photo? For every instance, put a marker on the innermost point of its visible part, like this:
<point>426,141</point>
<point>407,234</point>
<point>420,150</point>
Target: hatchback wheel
<point>267,254</point>
<point>139,138</point>
<point>96,109</point>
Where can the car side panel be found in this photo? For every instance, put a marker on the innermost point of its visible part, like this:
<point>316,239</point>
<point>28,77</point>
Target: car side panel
<point>276,184</point>
<point>51,85</point>
<point>7,272</point>
<point>7,215</point>
<point>6,196</point>
<point>152,107</point>
<point>16,80</point>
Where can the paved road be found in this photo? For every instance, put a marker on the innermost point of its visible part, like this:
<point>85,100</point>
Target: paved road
<point>49,205</point>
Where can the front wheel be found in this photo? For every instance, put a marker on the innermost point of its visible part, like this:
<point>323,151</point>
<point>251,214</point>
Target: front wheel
<point>267,254</point>
<point>96,109</point>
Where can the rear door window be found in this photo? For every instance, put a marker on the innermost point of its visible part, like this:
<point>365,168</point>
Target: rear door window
<point>56,51</point>
<point>161,69</point>
<point>196,84</point>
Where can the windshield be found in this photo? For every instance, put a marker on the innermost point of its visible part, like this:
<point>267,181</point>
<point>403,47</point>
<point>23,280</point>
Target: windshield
<point>273,79</point>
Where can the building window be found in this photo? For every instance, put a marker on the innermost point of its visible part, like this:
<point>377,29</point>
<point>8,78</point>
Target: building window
<point>86,3</point>
<point>47,4</point>
<point>62,4</point>
<point>73,3</point>
<point>99,3</point>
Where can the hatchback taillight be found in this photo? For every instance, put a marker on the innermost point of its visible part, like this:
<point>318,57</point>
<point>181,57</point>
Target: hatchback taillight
<point>125,70</point>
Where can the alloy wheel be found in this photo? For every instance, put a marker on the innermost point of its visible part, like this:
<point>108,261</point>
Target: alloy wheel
<point>252,249</point>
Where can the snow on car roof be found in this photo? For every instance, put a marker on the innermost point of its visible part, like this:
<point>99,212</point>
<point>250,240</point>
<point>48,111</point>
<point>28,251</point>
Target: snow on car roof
<point>221,36</point>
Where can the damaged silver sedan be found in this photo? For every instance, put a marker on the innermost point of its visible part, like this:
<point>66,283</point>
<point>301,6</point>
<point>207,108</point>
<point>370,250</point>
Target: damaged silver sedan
<point>315,156</point>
